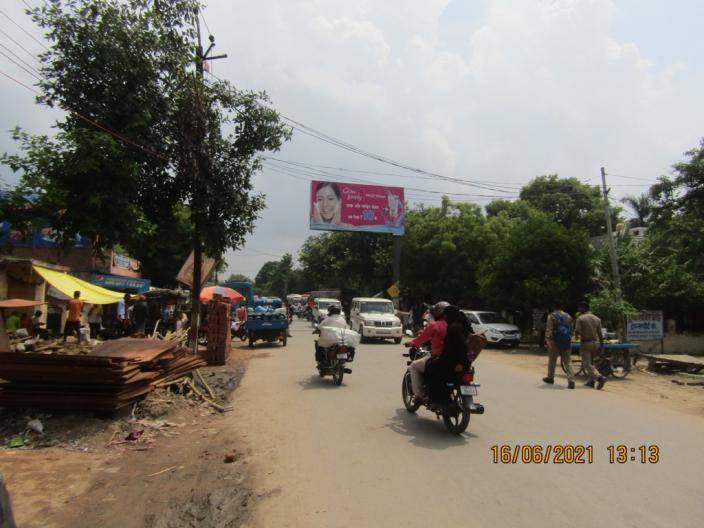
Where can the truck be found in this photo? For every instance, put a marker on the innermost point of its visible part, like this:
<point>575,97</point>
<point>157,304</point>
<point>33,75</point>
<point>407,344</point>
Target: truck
<point>266,321</point>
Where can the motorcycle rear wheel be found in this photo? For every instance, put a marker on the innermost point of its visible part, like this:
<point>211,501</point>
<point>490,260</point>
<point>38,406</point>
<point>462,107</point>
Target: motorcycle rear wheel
<point>407,394</point>
<point>457,423</point>
<point>338,374</point>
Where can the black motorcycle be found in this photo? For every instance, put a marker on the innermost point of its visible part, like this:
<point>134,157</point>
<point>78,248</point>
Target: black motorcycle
<point>458,405</point>
<point>332,360</point>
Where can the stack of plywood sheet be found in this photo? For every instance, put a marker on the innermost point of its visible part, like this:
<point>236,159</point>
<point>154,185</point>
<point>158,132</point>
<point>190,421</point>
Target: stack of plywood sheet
<point>112,375</point>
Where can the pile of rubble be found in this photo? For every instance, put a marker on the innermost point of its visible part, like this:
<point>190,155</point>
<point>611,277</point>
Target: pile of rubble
<point>105,378</point>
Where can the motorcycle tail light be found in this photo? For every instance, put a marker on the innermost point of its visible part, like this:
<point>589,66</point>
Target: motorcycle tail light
<point>467,378</point>
<point>342,349</point>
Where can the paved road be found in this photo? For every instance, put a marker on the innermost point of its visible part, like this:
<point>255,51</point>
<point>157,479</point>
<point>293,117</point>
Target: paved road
<point>352,456</point>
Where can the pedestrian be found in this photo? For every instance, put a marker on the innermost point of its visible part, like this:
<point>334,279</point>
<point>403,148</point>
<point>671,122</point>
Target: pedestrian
<point>141,314</point>
<point>122,319</point>
<point>95,318</point>
<point>37,325</point>
<point>558,333</point>
<point>12,323</point>
<point>588,329</point>
<point>181,322</point>
<point>73,322</point>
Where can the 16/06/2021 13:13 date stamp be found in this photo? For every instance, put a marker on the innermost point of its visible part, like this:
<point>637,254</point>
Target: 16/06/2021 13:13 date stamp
<point>572,454</point>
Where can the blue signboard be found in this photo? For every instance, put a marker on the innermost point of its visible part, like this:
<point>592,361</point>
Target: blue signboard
<point>114,282</point>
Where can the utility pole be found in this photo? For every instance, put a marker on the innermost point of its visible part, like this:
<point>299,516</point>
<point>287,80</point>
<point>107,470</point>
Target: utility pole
<point>609,229</point>
<point>202,166</point>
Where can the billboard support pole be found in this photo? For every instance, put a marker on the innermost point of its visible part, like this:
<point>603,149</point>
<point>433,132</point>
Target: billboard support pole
<point>397,259</point>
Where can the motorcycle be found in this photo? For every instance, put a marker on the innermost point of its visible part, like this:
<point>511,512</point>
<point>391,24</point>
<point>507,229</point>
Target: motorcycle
<point>455,411</point>
<point>238,330</point>
<point>335,357</point>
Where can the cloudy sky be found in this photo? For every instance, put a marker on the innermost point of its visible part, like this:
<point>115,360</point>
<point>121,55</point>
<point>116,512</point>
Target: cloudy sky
<point>492,91</point>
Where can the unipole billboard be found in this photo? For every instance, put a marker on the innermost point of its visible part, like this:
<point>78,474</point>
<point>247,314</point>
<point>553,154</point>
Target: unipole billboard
<point>336,206</point>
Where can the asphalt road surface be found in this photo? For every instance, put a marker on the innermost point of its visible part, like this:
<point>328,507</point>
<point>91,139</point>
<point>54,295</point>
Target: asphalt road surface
<point>348,456</point>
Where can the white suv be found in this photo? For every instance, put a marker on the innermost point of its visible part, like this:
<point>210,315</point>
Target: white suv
<point>375,317</point>
<point>320,310</point>
<point>495,328</point>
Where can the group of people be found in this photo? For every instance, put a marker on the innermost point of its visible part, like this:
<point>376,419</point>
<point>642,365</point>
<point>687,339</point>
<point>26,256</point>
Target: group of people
<point>448,334</point>
<point>33,325</point>
<point>447,331</point>
<point>558,334</point>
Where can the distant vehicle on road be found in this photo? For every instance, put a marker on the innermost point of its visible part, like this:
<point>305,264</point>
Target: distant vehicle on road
<point>375,317</point>
<point>320,309</point>
<point>496,329</point>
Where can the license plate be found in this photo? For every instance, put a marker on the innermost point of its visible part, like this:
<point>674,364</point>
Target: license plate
<point>342,356</point>
<point>468,390</point>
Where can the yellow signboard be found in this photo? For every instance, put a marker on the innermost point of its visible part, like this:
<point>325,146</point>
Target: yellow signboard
<point>393,291</point>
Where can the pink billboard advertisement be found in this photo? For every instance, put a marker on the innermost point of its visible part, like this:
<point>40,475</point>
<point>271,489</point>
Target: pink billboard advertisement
<point>356,207</point>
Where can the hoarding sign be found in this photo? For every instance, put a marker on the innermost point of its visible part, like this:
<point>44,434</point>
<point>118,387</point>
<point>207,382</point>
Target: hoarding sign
<point>125,266</point>
<point>355,207</point>
<point>186,274</point>
<point>645,326</point>
<point>115,282</point>
<point>39,238</point>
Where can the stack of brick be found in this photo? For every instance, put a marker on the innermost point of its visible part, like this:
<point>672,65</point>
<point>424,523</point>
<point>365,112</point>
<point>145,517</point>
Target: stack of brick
<point>219,338</point>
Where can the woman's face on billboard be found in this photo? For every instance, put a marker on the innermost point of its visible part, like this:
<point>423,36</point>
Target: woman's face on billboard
<point>328,203</point>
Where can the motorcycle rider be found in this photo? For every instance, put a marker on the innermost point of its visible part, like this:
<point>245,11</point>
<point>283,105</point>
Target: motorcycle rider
<point>435,333</point>
<point>334,320</point>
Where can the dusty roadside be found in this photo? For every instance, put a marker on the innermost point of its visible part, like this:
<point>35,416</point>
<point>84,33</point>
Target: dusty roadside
<point>647,387</point>
<point>184,470</point>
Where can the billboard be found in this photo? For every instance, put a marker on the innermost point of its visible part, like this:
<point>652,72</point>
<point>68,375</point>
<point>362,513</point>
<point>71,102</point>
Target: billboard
<point>338,206</point>
<point>645,326</point>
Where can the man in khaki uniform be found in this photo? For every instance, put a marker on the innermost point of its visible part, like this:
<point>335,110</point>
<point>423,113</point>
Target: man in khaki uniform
<point>559,346</point>
<point>588,329</point>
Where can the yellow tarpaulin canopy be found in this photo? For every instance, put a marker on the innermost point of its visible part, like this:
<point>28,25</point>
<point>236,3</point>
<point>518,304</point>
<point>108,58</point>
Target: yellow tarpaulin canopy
<point>67,284</point>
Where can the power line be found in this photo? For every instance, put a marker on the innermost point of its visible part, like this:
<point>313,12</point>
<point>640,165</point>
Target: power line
<point>90,121</point>
<point>18,44</point>
<point>19,65</point>
<point>24,31</point>
<point>21,60</point>
<point>311,177</point>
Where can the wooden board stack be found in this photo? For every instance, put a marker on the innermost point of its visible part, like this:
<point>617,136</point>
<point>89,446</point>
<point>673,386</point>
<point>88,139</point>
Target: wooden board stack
<point>112,375</point>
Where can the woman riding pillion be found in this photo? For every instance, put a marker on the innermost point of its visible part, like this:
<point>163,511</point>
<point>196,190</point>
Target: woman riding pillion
<point>435,333</point>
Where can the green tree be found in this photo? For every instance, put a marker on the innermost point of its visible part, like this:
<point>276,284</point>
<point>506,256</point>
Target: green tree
<point>569,202</point>
<point>442,251</point>
<point>127,67</point>
<point>532,262</point>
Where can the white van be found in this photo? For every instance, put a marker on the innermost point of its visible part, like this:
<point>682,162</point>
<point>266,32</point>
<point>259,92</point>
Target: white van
<point>375,317</point>
<point>320,310</point>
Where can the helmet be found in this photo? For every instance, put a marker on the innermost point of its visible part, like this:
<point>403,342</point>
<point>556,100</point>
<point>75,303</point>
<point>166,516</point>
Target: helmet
<point>439,308</point>
<point>334,310</point>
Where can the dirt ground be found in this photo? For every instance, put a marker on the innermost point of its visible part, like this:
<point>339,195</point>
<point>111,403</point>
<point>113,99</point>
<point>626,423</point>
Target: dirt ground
<point>650,388</point>
<point>183,470</point>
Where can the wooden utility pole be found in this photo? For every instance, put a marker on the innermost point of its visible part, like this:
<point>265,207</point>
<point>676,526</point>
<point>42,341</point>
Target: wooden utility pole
<point>202,168</point>
<point>610,233</point>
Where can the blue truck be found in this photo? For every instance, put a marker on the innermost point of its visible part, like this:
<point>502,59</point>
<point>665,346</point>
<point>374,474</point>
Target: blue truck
<point>264,322</point>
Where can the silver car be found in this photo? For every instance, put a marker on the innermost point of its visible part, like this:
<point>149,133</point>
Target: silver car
<point>495,328</point>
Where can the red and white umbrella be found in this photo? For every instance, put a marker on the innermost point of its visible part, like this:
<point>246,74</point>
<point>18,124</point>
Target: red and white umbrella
<point>207,294</point>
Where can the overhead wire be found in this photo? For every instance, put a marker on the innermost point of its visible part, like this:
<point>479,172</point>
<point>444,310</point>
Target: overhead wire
<point>24,30</point>
<point>37,72</point>
<point>91,121</point>
<point>19,45</point>
<point>19,65</point>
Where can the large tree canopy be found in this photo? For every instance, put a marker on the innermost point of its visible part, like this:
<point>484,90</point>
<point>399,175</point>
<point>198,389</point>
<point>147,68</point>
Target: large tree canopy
<point>143,136</point>
<point>569,202</point>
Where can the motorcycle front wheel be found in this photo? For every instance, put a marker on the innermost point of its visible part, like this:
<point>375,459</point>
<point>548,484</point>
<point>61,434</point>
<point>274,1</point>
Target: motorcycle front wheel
<point>407,394</point>
<point>456,417</point>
